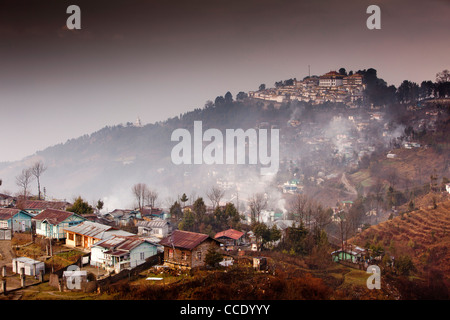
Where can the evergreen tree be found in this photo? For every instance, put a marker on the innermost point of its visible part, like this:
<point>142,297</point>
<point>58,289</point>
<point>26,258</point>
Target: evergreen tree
<point>183,199</point>
<point>188,221</point>
<point>213,257</point>
<point>175,210</point>
<point>80,207</point>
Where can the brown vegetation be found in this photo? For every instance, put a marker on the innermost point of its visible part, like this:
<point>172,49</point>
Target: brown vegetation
<point>423,235</point>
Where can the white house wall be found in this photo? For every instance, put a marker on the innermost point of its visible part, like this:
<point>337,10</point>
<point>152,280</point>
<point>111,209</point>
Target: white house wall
<point>148,251</point>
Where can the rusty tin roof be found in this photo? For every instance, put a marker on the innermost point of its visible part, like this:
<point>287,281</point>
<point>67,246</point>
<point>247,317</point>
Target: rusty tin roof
<point>184,239</point>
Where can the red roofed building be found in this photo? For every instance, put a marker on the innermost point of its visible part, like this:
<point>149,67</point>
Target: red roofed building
<point>186,249</point>
<point>51,223</point>
<point>230,238</point>
<point>37,206</point>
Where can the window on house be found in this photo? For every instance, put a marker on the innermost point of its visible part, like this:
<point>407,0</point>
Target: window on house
<point>183,255</point>
<point>199,255</point>
<point>71,236</point>
<point>141,255</point>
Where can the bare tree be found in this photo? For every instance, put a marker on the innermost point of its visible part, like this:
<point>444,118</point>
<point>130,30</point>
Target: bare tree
<point>344,226</point>
<point>215,195</point>
<point>150,197</point>
<point>23,180</point>
<point>192,197</point>
<point>298,207</point>
<point>37,170</point>
<point>169,201</point>
<point>140,191</point>
<point>257,203</point>
<point>320,215</point>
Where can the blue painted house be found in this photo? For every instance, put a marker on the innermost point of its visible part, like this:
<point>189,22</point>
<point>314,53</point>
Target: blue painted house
<point>51,223</point>
<point>15,219</point>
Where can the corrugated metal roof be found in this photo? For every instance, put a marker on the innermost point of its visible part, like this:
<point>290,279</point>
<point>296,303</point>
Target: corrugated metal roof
<point>157,223</point>
<point>117,245</point>
<point>117,213</point>
<point>230,233</point>
<point>184,239</point>
<point>53,216</point>
<point>6,213</point>
<point>110,242</point>
<point>90,229</point>
<point>119,232</point>
<point>41,204</point>
<point>27,260</point>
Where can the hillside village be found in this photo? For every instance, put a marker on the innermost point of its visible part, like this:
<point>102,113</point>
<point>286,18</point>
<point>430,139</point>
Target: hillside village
<point>348,166</point>
<point>331,87</point>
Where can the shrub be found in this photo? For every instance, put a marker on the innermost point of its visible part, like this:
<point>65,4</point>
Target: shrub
<point>404,265</point>
<point>213,257</point>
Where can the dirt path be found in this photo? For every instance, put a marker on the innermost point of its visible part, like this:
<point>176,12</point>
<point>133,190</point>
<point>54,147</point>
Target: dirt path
<point>347,184</point>
<point>6,253</point>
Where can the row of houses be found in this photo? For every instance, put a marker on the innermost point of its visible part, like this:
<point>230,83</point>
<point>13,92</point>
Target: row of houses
<point>123,217</point>
<point>114,249</point>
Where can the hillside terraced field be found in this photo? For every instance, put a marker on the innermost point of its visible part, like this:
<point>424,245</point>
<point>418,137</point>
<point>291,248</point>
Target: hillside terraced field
<point>424,234</point>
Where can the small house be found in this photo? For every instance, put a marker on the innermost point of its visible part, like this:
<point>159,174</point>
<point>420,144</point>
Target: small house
<point>353,254</point>
<point>230,238</point>
<point>6,200</point>
<point>123,217</point>
<point>15,219</point>
<point>122,252</point>
<point>85,234</point>
<point>290,188</point>
<point>347,204</point>
<point>186,249</point>
<point>51,223</point>
<point>154,213</point>
<point>31,267</point>
<point>157,228</point>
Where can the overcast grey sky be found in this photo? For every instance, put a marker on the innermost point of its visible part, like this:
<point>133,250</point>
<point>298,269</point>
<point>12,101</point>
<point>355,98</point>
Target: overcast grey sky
<point>157,59</point>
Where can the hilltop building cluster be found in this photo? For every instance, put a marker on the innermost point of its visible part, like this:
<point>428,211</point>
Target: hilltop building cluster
<point>330,87</point>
